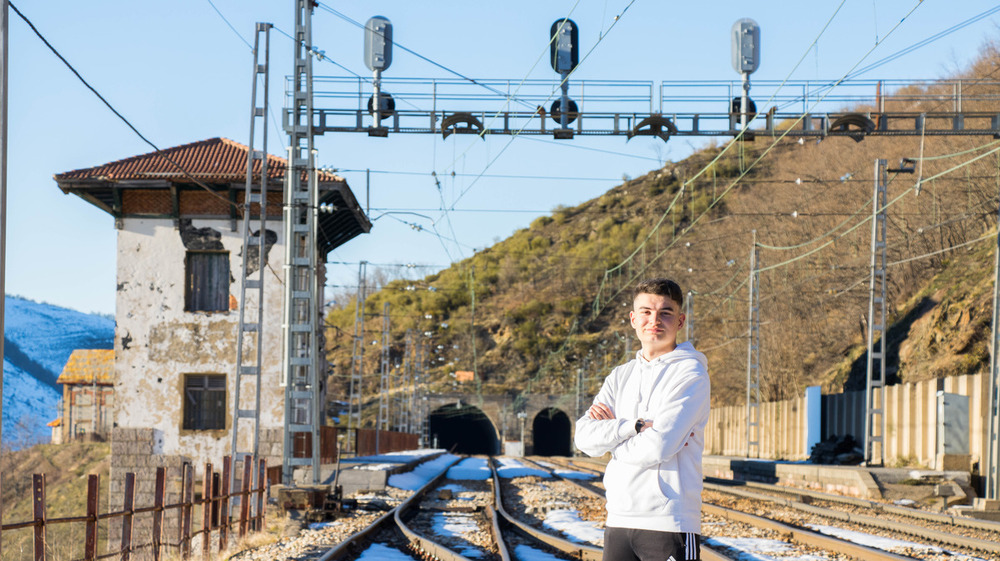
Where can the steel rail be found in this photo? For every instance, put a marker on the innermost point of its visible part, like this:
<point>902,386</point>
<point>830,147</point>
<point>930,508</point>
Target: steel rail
<point>908,529</point>
<point>806,537</point>
<point>707,553</point>
<point>580,551</point>
<point>351,545</point>
<point>587,488</point>
<point>940,517</point>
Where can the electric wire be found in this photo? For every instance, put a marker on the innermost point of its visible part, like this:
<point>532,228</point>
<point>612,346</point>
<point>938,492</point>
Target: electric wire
<point>492,176</point>
<point>729,145</point>
<point>597,306</point>
<point>107,104</point>
<point>230,25</point>
<point>990,235</point>
<point>270,110</point>
<point>899,53</point>
<point>395,43</point>
<point>517,134</point>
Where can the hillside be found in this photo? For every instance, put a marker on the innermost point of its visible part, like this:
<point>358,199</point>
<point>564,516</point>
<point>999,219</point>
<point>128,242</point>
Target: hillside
<point>66,467</point>
<point>38,339</point>
<point>529,312</point>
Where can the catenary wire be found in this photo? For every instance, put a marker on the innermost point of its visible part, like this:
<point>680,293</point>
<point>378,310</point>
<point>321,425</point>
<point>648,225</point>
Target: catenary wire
<point>159,152</point>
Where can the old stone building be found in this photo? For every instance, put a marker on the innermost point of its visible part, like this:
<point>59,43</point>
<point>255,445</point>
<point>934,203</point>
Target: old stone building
<point>179,260</point>
<point>88,400</point>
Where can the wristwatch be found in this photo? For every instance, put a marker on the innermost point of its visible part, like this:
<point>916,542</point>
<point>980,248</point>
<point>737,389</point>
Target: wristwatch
<point>638,425</point>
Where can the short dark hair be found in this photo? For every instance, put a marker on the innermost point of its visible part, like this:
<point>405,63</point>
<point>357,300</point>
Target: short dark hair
<point>661,287</point>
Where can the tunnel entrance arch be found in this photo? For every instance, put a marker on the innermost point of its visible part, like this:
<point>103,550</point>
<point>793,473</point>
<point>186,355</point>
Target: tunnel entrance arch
<point>551,430</point>
<point>464,427</point>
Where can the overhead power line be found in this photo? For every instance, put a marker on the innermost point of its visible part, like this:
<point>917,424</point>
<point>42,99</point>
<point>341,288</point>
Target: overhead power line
<point>82,80</point>
<point>418,55</point>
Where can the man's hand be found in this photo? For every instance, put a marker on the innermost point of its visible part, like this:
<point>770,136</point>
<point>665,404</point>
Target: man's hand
<point>646,425</point>
<point>600,412</point>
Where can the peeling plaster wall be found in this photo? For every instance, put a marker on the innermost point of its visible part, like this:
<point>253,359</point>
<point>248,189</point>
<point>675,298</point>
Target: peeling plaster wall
<point>157,341</point>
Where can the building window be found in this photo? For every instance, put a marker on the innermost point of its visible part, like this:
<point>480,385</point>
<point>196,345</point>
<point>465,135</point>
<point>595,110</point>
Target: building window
<point>204,402</point>
<point>206,281</point>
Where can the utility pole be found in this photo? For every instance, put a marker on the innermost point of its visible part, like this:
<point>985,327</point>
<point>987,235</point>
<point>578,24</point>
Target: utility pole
<point>689,317</point>
<point>875,372</point>
<point>357,360</point>
<point>250,328</point>
<point>991,463</point>
<point>3,183</point>
<point>383,395</point>
<point>753,354</point>
<point>303,414</point>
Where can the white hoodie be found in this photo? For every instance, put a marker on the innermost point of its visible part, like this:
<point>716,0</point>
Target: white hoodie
<point>654,478</point>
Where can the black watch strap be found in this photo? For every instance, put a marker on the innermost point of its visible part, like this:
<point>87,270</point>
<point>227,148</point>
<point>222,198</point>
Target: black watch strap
<point>638,426</point>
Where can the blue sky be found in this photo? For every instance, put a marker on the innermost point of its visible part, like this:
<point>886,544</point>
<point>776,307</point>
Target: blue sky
<point>180,74</point>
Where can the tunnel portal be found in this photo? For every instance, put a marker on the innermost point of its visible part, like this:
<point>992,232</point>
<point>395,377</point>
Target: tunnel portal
<point>466,428</point>
<point>551,429</point>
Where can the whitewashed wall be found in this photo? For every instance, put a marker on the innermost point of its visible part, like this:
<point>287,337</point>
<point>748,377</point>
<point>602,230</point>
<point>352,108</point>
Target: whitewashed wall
<point>157,342</point>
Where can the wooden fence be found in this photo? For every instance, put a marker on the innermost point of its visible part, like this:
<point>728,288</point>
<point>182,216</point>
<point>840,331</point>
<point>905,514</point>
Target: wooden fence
<point>215,503</point>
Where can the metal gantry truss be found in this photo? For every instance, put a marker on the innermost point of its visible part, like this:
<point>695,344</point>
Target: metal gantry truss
<point>249,333</point>
<point>302,355</point>
<point>875,376</point>
<point>753,353</point>
<point>852,108</point>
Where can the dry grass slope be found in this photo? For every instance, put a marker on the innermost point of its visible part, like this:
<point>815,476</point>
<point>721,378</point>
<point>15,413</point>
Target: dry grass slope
<point>810,206</point>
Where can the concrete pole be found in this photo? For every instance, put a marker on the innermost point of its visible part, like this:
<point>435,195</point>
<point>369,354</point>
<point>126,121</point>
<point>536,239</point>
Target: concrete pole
<point>3,185</point>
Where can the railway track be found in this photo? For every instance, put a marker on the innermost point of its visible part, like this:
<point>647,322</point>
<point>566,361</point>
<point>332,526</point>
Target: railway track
<point>455,519</point>
<point>726,525</point>
<point>497,517</point>
<point>958,535</point>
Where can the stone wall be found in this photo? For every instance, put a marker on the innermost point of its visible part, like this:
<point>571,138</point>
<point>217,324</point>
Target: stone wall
<point>135,451</point>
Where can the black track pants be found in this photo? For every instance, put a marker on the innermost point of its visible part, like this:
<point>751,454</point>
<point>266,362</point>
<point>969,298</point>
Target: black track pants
<point>627,544</point>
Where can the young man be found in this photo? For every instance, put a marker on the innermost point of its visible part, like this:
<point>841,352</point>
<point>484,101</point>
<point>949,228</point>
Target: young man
<point>651,414</point>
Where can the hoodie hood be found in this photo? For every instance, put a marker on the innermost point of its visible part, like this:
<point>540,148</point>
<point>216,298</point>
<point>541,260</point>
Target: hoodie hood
<point>683,351</point>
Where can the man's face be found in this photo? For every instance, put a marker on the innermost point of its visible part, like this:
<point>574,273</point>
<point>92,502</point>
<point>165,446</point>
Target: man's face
<point>656,320</point>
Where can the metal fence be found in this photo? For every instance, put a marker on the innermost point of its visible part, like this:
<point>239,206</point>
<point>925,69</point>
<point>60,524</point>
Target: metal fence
<point>216,501</point>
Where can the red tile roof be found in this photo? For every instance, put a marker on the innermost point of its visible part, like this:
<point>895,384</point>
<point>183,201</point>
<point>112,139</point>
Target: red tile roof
<point>216,160</point>
<point>84,364</point>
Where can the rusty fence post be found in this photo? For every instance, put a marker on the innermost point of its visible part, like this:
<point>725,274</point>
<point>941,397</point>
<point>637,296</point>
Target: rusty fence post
<point>206,512</point>
<point>159,491</point>
<point>261,486</point>
<point>93,497</point>
<point>224,509</point>
<point>128,508</point>
<point>188,500</point>
<point>38,503</point>
<point>245,494</point>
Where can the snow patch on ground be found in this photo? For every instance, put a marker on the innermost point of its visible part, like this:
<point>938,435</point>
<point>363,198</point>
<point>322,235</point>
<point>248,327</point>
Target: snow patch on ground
<point>758,549</point>
<point>885,544</point>
<point>527,553</point>
<point>393,457</point>
<point>510,468</point>
<point>577,530</point>
<point>379,552</point>
<point>457,524</point>
<point>470,469</point>
<point>413,480</point>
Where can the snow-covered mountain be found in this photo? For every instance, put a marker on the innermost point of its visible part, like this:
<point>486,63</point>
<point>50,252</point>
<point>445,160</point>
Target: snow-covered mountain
<point>38,339</point>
